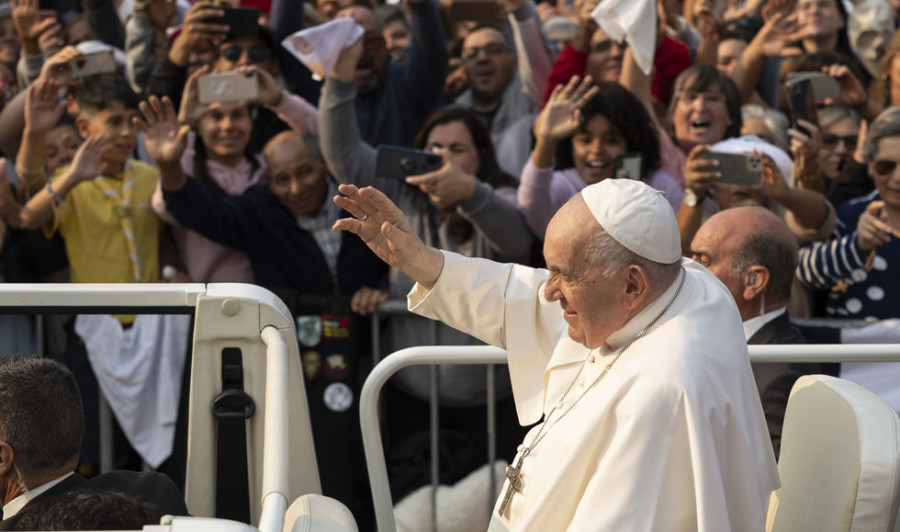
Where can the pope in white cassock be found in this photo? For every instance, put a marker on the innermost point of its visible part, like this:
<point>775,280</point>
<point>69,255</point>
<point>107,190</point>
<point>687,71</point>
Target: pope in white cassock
<point>634,358</point>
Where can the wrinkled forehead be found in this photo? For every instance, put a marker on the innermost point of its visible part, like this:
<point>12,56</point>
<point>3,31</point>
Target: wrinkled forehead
<point>483,36</point>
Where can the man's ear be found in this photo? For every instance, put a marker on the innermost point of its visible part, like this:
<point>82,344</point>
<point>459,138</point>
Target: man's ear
<point>756,281</point>
<point>6,458</point>
<point>637,287</point>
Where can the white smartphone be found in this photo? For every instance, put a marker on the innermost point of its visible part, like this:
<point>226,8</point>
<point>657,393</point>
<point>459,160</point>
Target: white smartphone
<point>91,64</point>
<point>227,87</point>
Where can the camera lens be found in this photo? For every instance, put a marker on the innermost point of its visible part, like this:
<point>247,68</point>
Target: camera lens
<point>408,165</point>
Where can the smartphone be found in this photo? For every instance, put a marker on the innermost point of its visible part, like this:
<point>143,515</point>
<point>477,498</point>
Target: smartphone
<point>227,87</point>
<point>396,162</point>
<point>630,164</point>
<point>737,168</point>
<point>86,65</point>
<point>802,102</point>
<point>823,85</point>
<point>240,20</point>
<point>476,10</point>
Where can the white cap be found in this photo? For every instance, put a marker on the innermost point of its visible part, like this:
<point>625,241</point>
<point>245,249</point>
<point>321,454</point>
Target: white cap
<point>95,46</point>
<point>748,143</point>
<point>636,216</point>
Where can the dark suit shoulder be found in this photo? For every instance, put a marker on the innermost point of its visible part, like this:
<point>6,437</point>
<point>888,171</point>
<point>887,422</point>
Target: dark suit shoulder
<point>150,487</point>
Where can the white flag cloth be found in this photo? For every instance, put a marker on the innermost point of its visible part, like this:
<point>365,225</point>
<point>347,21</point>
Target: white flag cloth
<point>320,46</point>
<point>139,371</point>
<point>633,21</point>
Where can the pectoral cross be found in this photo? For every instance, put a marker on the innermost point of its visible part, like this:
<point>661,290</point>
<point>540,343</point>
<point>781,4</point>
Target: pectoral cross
<point>513,474</point>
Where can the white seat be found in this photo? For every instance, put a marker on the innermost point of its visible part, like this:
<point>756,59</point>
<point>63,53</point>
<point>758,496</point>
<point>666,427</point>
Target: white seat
<point>840,460</point>
<point>318,513</point>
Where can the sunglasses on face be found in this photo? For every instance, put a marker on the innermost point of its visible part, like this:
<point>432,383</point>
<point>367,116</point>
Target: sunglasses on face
<point>831,140</point>
<point>256,54</point>
<point>885,167</point>
<point>490,50</point>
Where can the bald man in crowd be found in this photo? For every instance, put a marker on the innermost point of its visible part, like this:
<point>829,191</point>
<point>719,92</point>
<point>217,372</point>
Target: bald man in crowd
<point>752,251</point>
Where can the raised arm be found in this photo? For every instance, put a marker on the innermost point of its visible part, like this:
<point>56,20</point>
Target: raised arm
<point>535,55</point>
<point>348,157</point>
<point>42,113</point>
<point>426,66</point>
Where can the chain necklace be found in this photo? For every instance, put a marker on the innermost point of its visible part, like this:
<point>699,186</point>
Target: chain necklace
<point>514,473</point>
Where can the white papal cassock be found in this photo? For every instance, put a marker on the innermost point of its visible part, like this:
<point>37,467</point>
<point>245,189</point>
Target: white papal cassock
<point>672,438</point>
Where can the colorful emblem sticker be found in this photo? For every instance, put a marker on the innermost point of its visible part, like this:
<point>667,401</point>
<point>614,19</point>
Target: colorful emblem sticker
<point>338,397</point>
<point>309,330</point>
<point>312,364</point>
<point>335,366</point>
<point>336,326</point>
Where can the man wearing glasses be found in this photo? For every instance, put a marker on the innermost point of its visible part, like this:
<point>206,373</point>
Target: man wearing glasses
<point>507,101</point>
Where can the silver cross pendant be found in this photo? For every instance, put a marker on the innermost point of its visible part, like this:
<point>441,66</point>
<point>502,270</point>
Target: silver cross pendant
<point>514,475</point>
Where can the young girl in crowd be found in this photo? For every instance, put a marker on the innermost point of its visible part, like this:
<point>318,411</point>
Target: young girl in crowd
<point>588,127</point>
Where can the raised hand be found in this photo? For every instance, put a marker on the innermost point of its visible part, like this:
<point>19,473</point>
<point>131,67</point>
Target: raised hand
<point>165,140</point>
<point>51,41</point>
<point>806,149</point>
<point>345,68</point>
<point>270,94</point>
<point>445,187</point>
<point>42,111</point>
<point>57,66</point>
<point>88,162</point>
<point>873,228</point>
<point>191,110</point>
<point>853,94</point>
<point>197,32</point>
<point>561,116</point>
<point>28,23</point>
<point>382,226</point>
<point>780,30</point>
<point>772,183</point>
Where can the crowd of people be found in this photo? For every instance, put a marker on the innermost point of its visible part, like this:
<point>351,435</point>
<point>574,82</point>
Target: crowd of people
<point>129,176</point>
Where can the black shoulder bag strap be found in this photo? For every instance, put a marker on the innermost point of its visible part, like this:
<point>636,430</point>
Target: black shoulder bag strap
<point>232,408</point>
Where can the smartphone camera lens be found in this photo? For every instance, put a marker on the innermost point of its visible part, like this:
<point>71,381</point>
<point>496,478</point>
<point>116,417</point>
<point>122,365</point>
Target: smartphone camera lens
<point>407,164</point>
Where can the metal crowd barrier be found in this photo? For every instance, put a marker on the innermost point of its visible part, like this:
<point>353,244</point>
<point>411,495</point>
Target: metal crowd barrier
<point>370,423</point>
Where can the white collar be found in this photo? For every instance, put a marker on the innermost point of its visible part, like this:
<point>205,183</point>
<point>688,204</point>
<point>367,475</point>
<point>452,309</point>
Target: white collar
<point>753,325</point>
<point>15,506</point>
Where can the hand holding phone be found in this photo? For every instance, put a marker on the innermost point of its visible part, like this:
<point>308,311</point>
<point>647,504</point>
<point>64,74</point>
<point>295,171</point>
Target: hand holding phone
<point>737,168</point>
<point>240,20</point>
<point>824,87</point>
<point>85,65</point>
<point>628,166</point>
<point>227,87</point>
<point>396,162</point>
<point>802,103</point>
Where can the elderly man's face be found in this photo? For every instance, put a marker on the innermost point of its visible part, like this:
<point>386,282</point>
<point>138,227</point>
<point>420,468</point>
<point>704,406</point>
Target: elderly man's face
<point>375,53</point>
<point>589,302</point>
<point>296,178</point>
<point>489,63</point>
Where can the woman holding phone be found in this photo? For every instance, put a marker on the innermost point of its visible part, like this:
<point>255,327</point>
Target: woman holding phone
<point>587,128</point>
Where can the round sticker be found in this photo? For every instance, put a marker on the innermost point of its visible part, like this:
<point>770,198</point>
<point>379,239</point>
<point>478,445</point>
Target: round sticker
<point>338,397</point>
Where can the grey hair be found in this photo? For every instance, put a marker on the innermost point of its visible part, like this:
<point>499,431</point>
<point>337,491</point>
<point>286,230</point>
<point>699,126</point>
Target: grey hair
<point>774,120</point>
<point>41,415</point>
<point>886,125</point>
<point>603,252</point>
<point>776,252</point>
<point>835,113</point>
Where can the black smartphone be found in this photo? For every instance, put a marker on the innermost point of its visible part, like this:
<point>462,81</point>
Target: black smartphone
<point>823,85</point>
<point>737,168</point>
<point>397,162</point>
<point>475,10</point>
<point>240,20</point>
<point>628,165</point>
<point>802,100</point>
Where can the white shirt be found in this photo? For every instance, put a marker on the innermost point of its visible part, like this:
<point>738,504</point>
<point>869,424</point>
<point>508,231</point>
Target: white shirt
<point>15,506</point>
<point>652,446</point>
<point>753,325</point>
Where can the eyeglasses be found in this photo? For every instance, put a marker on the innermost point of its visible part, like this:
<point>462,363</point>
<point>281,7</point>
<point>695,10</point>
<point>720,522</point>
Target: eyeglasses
<point>831,140</point>
<point>707,97</point>
<point>885,166</point>
<point>490,50</point>
<point>256,54</point>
